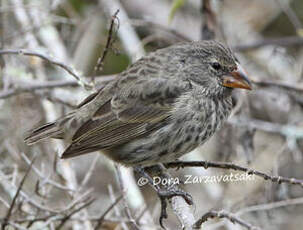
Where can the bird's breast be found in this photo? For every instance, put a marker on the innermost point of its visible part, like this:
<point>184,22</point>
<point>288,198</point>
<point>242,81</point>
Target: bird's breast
<point>217,112</point>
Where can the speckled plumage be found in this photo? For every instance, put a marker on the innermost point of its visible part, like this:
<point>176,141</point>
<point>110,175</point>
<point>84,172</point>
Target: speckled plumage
<point>162,107</point>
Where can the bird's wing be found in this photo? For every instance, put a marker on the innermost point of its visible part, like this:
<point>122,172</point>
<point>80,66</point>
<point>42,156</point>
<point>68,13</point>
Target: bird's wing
<point>130,113</point>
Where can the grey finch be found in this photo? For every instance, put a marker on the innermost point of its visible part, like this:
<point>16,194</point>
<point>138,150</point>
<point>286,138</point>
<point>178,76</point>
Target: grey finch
<point>161,107</point>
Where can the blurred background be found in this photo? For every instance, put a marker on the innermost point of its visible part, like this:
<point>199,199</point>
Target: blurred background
<point>264,132</point>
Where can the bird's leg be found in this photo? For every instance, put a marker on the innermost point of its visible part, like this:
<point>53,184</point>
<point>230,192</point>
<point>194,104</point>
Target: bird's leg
<point>163,193</point>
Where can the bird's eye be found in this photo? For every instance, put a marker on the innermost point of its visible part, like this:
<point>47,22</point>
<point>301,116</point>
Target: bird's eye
<point>216,65</point>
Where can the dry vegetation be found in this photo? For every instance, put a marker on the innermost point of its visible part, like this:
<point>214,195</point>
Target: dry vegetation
<point>55,52</point>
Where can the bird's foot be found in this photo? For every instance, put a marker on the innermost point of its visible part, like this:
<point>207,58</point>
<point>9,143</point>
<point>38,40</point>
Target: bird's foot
<point>165,194</point>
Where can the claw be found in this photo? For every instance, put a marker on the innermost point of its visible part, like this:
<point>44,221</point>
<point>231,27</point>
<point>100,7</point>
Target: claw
<point>163,214</point>
<point>166,194</point>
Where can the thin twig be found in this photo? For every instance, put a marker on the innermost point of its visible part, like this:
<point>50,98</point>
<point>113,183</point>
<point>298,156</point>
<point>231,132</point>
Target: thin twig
<point>101,219</point>
<point>277,84</point>
<point>224,214</point>
<point>127,34</point>
<point>67,217</point>
<point>48,96</point>
<point>155,26</point>
<point>16,226</point>
<point>3,201</point>
<point>284,41</point>
<point>294,91</point>
<point>209,22</point>
<point>289,131</point>
<point>269,206</point>
<point>23,87</point>
<point>50,60</point>
<point>59,217</point>
<point>293,18</point>
<point>109,42</point>
<point>40,174</point>
<point>77,200</point>
<point>122,189</point>
<point>89,172</point>
<point>9,212</point>
<point>226,165</point>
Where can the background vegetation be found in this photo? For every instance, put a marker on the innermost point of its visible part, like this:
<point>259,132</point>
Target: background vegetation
<point>47,46</point>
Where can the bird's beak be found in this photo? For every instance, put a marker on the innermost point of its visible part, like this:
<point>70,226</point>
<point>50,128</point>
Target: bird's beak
<point>237,79</point>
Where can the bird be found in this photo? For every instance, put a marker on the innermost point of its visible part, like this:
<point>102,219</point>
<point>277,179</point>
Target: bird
<point>161,107</point>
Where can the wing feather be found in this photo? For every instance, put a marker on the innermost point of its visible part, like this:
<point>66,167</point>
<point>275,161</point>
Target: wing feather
<point>110,127</point>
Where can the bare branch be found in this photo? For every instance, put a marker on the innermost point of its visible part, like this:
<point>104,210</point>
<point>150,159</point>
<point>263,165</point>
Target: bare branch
<point>50,60</point>
<point>285,41</point>
<point>269,206</point>
<point>89,172</point>
<point>291,15</point>
<point>155,26</point>
<point>9,212</point>
<point>294,91</point>
<point>101,219</point>
<point>122,189</point>
<point>23,87</point>
<point>209,22</point>
<point>109,42</point>
<point>223,214</point>
<point>67,217</point>
<point>126,32</point>
<point>40,174</point>
<point>289,131</point>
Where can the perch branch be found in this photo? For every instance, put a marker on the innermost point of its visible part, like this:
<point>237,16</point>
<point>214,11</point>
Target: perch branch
<point>226,165</point>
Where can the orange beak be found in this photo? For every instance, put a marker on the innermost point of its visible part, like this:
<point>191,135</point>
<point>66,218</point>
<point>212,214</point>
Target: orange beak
<point>237,79</point>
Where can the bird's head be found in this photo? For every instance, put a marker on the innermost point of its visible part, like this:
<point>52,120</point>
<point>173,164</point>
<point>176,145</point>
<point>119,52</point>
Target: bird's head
<point>213,66</point>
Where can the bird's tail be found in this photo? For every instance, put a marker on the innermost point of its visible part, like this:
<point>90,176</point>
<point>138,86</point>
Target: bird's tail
<point>49,130</point>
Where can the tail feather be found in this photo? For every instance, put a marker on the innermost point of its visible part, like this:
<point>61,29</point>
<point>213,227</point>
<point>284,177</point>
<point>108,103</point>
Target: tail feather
<point>46,131</point>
